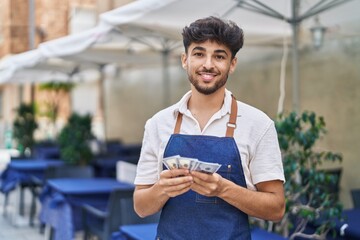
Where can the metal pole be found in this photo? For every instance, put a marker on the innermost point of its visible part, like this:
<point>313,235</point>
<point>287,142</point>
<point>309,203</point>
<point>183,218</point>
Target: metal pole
<point>294,21</point>
<point>166,76</point>
<point>31,24</point>
<point>101,100</point>
<point>295,57</point>
<point>32,39</point>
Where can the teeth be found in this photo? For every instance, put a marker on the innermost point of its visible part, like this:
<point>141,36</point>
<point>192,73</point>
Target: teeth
<point>207,76</point>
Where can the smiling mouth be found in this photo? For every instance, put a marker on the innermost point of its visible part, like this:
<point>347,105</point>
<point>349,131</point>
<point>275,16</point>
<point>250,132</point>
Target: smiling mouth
<point>207,76</point>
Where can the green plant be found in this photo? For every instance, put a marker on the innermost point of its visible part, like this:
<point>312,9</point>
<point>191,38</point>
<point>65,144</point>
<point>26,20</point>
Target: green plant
<point>56,92</point>
<point>309,199</point>
<point>74,140</point>
<point>24,127</point>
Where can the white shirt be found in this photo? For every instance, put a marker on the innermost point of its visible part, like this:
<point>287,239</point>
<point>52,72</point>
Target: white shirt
<point>255,136</point>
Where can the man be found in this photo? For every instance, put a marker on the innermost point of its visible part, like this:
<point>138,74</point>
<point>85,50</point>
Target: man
<point>210,125</point>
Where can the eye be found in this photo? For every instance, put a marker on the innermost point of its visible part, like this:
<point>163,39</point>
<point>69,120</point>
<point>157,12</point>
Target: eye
<point>220,57</point>
<point>198,54</point>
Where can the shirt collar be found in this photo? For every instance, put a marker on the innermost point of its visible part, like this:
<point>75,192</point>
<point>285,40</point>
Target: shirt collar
<point>182,105</point>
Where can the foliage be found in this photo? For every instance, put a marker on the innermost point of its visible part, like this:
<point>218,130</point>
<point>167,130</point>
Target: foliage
<point>310,199</point>
<point>74,140</point>
<point>56,92</point>
<point>24,127</point>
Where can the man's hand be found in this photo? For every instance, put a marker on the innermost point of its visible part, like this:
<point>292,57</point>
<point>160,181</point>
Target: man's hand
<point>175,182</point>
<point>209,185</point>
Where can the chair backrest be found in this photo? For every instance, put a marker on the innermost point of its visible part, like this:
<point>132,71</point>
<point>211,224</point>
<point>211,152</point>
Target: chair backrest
<point>69,171</point>
<point>125,172</point>
<point>334,186</point>
<point>121,210</point>
<point>355,194</point>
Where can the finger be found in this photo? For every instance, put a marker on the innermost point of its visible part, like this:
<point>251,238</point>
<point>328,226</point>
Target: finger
<point>178,189</point>
<point>177,193</point>
<point>198,189</point>
<point>203,176</point>
<point>174,173</point>
<point>179,180</point>
<point>168,182</point>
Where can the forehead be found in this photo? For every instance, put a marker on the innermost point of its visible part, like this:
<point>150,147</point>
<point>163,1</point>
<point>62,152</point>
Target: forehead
<point>209,46</point>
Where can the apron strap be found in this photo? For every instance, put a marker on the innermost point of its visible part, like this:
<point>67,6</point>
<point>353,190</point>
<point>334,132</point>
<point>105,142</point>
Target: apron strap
<point>231,125</point>
<point>178,123</point>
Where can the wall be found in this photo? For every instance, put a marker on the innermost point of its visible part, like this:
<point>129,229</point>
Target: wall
<point>14,27</point>
<point>52,20</point>
<point>331,88</point>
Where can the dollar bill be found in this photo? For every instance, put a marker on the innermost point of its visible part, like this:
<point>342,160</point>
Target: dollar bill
<point>186,162</point>
<point>192,164</point>
<point>171,162</point>
<point>206,167</point>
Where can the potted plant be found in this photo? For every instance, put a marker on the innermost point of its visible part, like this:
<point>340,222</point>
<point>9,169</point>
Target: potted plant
<point>310,203</point>
<point>74,139</point>
<point>56,91</point>
<point>24,127</point>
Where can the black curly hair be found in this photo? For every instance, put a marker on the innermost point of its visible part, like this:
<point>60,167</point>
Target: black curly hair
<point>214,29</point>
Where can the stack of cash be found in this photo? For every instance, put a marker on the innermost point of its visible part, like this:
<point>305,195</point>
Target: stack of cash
<point>192,164</point>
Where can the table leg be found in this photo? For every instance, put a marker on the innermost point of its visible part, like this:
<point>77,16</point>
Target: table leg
<point>6,203</point>
<point>49,232</point>
<point>21,201</point>
<point>17,218</point>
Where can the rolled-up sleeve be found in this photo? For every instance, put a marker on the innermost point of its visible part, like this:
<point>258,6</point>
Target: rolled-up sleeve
<point>266,164</point>
<point>147,168</point>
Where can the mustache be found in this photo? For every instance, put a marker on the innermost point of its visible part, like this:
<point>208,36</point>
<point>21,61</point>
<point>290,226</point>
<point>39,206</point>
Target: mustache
<point>205,70</point>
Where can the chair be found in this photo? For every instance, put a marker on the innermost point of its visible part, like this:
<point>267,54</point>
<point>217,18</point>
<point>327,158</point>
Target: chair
<point>52,172</point>
<point>69,171</point>
<point>22,186</point>
<point>355,194</point>
<point>333,187</point>
<point>125,171</point>
<point>119,211</point>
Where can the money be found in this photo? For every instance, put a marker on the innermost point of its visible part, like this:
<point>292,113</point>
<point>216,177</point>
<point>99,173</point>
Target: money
<point>192,164</point>
<point>171,162</point>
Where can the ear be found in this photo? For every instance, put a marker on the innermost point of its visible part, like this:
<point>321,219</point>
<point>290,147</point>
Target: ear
<point>183,60</point>
<point>233,65</point>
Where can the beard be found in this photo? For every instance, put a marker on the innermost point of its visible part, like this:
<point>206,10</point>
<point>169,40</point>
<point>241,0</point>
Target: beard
<point>208,90</point>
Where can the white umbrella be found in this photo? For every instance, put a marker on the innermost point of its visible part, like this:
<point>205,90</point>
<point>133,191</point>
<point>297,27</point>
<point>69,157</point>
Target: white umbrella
<point>11,64</point>
<point>137,31</point>
<point>159,23</point>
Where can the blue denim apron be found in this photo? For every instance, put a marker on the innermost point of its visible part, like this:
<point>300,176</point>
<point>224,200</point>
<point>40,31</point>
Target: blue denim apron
<point>194,216</point>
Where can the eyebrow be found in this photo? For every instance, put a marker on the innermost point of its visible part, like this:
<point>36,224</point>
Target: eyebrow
<point>203,49</point>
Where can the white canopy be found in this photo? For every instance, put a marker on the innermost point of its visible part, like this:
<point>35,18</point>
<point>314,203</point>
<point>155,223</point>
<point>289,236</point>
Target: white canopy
<point>138,32</point>
<point>149,32</point>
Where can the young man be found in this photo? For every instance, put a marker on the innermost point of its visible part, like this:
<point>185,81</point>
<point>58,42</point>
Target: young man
<point>210,125</point>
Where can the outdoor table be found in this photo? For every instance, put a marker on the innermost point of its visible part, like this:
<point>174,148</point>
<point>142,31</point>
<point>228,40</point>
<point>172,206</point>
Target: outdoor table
<point>23,171</point>
<point>19,174</point>
<point>148,232</point>
<point>62,200</point>
<point>350,227</point>
<point>136,232</point>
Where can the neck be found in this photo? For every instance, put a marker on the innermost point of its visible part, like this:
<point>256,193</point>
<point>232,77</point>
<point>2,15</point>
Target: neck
<point>199,102</point>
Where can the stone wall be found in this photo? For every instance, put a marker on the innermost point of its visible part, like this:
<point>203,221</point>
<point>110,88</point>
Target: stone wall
<point>52,19</point>
<point>14,18</point>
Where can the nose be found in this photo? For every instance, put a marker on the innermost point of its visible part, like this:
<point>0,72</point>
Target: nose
<point>208,63</point>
